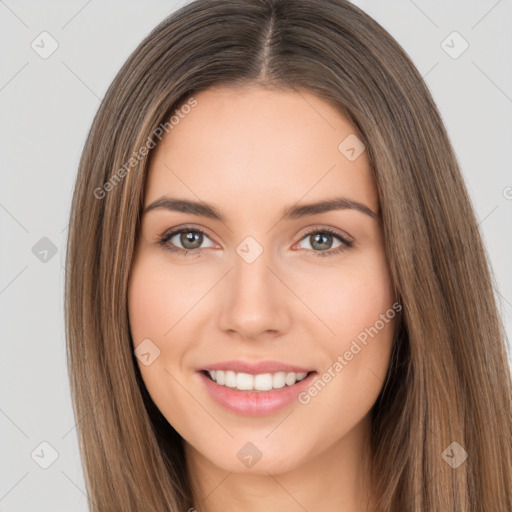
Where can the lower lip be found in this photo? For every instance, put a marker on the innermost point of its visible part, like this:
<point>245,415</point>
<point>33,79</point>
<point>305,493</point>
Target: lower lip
<point>255,403</point>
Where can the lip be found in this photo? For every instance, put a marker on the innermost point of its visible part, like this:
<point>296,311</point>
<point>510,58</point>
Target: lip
<point>255,368</point>
<point>255,403</point>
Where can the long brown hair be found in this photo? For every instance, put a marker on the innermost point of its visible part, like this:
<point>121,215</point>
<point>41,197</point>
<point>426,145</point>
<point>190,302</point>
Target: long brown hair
<point>448,389</point>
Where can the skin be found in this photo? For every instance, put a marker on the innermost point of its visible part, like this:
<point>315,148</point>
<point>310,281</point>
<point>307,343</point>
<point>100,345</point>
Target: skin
<point>252,152</point>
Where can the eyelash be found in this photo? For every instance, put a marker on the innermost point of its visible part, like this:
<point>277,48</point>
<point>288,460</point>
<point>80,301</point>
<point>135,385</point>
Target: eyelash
<point>164,241</point>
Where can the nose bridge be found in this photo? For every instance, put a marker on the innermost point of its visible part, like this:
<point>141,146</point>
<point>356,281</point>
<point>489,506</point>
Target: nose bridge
<point>251,281</point>
<point>254,300</point>
<point>251,274</point>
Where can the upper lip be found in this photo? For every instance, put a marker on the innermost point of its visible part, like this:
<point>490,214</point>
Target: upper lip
<point>255,368</point>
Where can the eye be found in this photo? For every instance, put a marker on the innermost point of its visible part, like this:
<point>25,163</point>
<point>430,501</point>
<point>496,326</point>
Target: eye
<point>183,240</point>
<point>321,240</point>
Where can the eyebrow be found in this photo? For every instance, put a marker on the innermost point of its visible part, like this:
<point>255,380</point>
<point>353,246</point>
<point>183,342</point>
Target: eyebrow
<point>203,209</point>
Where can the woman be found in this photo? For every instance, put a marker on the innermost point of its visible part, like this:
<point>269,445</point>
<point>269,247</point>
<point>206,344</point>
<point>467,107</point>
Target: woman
<point>277,295</point>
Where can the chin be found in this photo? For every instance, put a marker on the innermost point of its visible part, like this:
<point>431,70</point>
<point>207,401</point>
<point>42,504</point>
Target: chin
<point>257,457</point>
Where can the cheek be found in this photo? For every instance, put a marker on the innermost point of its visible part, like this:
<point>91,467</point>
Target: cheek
<point>148,307</point>
<point>158,300</point>
<point>155,308</point>
<point>361,312</point>
<point>352,299</point>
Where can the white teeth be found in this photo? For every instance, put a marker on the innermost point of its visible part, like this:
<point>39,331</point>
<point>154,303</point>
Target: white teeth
<point>290,378</point>
<point>219,377</point>
<point>244,381</point>
<point>263,382</point>
<point>279,380</point>
<point>230,379</point>
<point>260,382</point>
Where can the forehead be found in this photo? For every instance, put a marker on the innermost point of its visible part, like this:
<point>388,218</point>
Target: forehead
<point>253,146</point>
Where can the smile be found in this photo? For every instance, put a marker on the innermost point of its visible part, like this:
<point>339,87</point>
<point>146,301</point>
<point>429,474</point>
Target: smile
<point>255,389</point>
<point>260,382</point>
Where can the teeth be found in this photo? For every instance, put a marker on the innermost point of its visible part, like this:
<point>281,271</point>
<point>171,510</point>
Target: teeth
<point>260,382</point>
<point>290,378</point>
<point>244,381</point>
<point>263,382</point>
<point>279,380</point>
<point>230,381</point>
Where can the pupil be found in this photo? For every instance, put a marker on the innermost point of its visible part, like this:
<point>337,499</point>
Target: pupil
<point>192,237</point>
<point>323,243</point>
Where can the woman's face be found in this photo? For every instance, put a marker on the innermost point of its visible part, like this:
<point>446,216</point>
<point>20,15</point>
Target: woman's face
<point>288,305</point>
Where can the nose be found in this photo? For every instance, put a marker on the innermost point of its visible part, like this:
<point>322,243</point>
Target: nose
<point>254,301</point>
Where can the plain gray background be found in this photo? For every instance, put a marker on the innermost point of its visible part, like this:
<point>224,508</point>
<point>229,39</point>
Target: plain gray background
<point>47,106</point>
